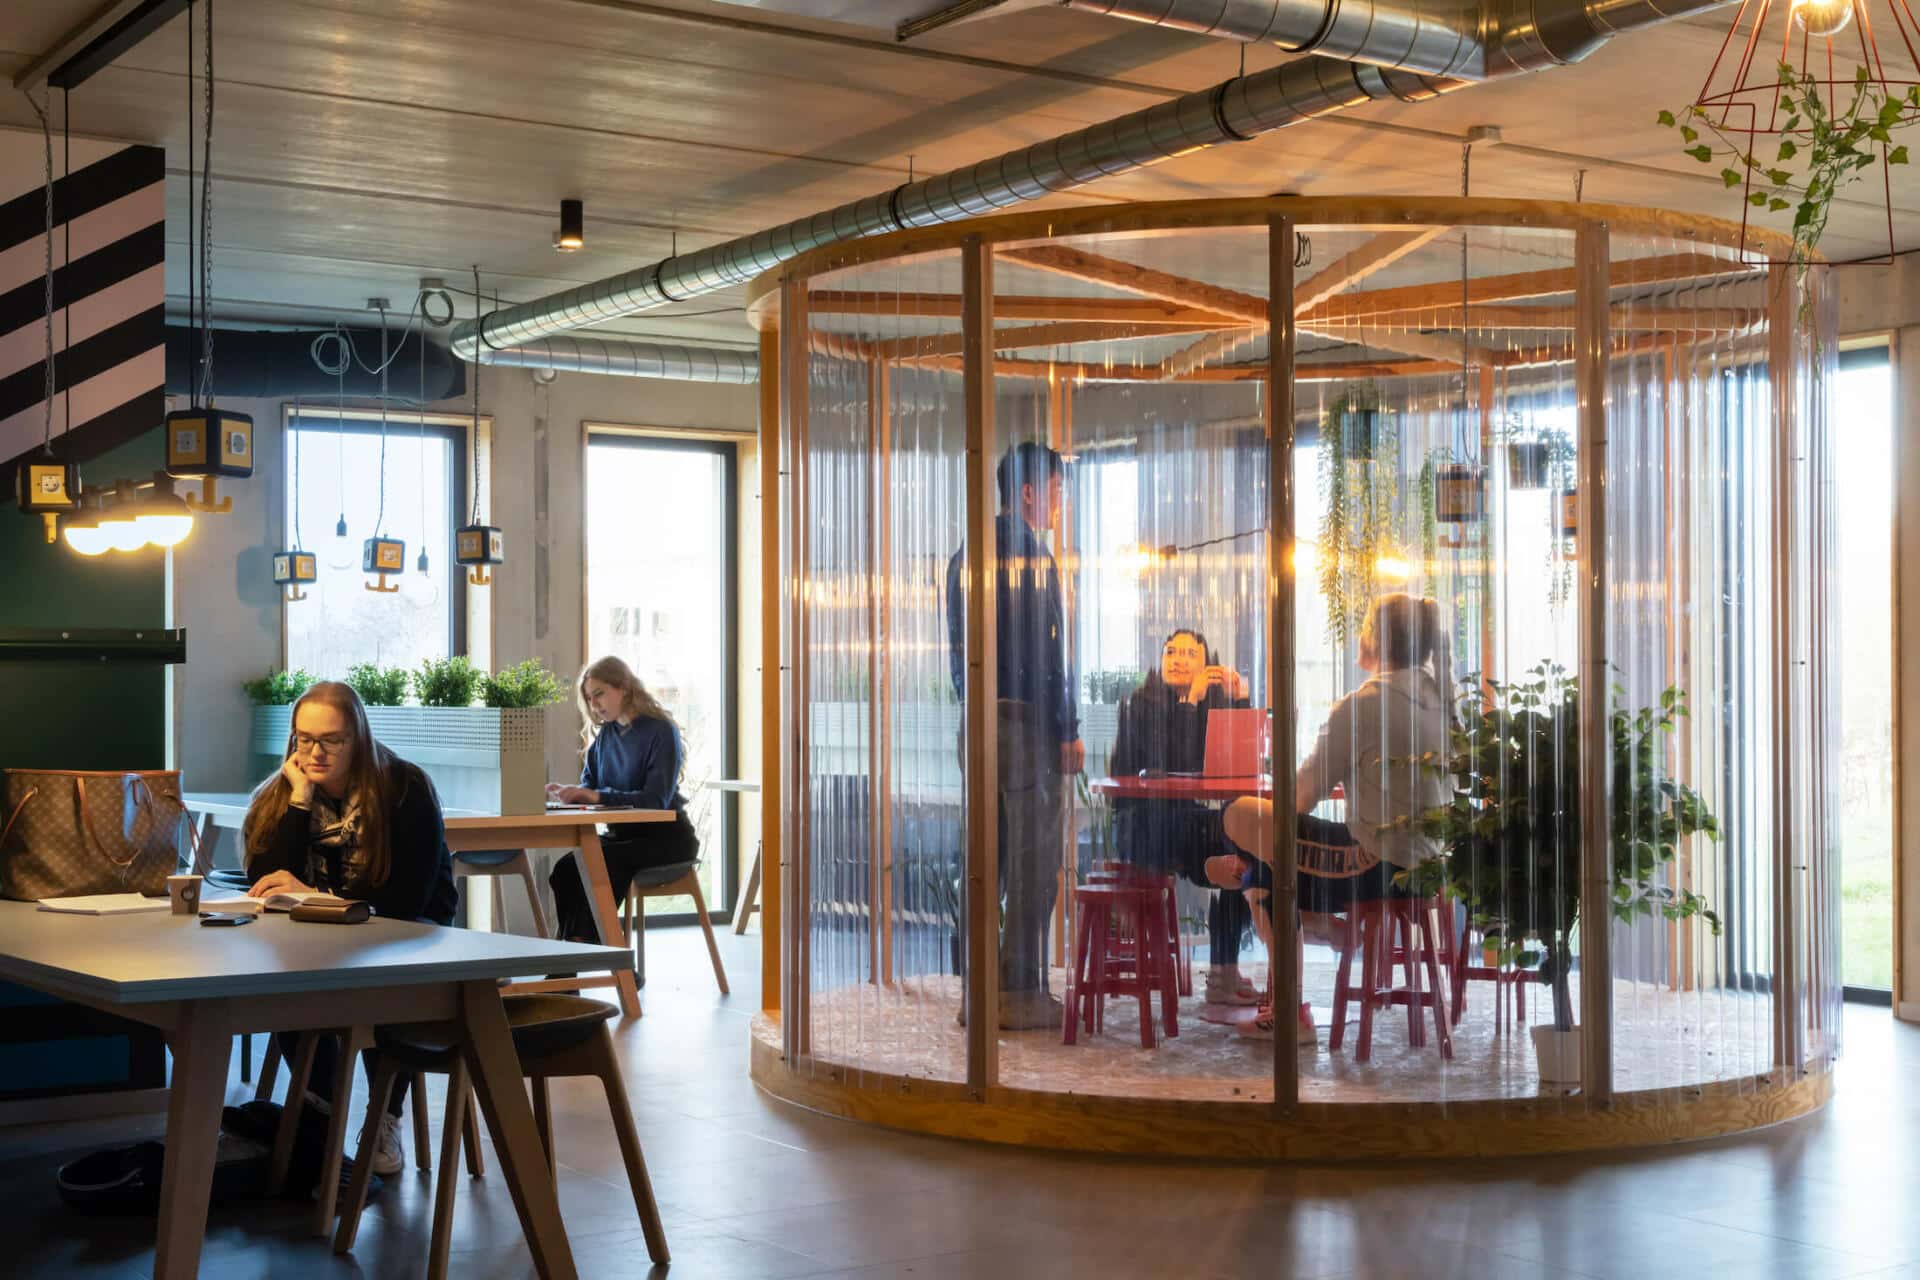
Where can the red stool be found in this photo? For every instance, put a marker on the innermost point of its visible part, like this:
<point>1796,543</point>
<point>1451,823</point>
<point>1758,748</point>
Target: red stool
<point>1128,874</point>
<point>1386,932</point>
<point>1120,948</point>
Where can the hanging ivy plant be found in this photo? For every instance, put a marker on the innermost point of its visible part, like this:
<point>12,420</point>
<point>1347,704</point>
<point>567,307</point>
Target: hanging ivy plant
<point>1823,147</point>
<point>1359,465</point>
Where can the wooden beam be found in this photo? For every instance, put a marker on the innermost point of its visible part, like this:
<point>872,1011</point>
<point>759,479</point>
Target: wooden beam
<point>1082,372</point>
<point>1382,251</point>
<point>1445,348</point>
<point>1078,264</point>
<point>1526,284</point>
<point>946,306</point>
<point>1633,319</point>
<point>1065,333</point>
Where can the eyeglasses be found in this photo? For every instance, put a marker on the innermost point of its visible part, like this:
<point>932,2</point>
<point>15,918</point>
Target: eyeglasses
<point>333,744</point>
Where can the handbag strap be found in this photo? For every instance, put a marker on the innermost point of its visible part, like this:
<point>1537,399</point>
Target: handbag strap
<point>15,815</point>
<point>86,827</point>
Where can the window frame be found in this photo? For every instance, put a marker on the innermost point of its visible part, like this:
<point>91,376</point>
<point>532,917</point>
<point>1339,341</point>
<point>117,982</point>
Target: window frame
<point>456,429</point>
<point>726,446</point>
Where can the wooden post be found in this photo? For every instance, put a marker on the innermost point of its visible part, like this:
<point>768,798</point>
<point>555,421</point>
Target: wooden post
<point>983,764</point>
<point>797,719</point>
<point>880,668</point>
<point>1280,636</point>
<point>1060,438</point>
<point>772,623</point>
<point>1789,735</point>
<point>1489,631</point>
<point>1591,350</point>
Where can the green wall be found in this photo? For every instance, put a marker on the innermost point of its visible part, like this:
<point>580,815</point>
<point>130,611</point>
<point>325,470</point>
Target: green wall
<point>83,715</point>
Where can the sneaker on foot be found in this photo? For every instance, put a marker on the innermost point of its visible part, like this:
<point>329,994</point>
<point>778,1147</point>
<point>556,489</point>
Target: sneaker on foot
<point>389,1157</point>
<point>1224,987</point>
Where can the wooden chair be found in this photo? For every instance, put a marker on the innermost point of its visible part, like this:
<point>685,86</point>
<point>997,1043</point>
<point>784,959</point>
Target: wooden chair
<point>750,896</point>
<point>554,1036</point>
<point>667,882</point>
<point>497,864</point>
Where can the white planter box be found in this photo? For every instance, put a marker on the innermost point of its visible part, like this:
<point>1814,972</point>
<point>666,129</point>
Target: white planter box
<point>487,758</point>
<point>1557,1054</point>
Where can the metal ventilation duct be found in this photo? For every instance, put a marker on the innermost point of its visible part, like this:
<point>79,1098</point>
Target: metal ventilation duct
<point>584,353</point>
<point>1506,37</point>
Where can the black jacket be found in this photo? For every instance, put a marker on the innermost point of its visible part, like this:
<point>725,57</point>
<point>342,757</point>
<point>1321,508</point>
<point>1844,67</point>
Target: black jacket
<point>1033,664</point>
<point>420,875</point>
<point>1161,730</point>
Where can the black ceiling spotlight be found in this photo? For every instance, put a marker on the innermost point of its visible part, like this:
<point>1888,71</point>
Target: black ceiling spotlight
<point>572,234</point>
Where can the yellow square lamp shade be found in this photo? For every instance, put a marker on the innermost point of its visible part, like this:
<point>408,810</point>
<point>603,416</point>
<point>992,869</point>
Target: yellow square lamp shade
<point>381,557</point>
<point>293,570</point>
<point>206,444</point>
<point>477,546</point>
<point>48,489</point>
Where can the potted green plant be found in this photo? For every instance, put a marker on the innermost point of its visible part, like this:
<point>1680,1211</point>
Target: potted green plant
<point>446,682</point>
<point>277,688</point>
<point>528,684</point>
<point>1359,459</point>
<point>1510,834</point>
<point>379,686</point>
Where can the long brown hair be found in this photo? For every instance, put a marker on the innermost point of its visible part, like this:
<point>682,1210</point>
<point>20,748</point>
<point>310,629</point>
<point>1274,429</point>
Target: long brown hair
<point>634,699</point>
<point>369,779</point>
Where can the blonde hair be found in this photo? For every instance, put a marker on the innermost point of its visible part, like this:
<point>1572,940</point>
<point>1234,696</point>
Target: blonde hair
<point>1406,630</point>
<point>614,673</point>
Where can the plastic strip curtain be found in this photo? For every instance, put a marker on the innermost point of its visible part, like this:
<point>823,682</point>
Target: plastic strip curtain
<point>1719,527</point>
<point>885,512</point>
<point>1162,553</point>
<point>1437,424</point>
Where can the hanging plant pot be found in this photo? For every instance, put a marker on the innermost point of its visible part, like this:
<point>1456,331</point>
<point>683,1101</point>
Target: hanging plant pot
<point>1527,462</point>
<point>1459,494</point>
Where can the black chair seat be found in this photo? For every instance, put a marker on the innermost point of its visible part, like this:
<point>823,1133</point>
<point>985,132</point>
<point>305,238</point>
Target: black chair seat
<point>228,878</point>
<point>654,877</point>
<point>542,1024</point>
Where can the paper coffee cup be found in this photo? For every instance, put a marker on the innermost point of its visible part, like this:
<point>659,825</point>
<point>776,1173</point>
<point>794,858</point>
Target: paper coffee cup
<point>183,892</point>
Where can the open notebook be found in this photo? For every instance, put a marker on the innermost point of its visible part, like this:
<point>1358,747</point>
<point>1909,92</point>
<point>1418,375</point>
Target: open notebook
<point>105,904</point>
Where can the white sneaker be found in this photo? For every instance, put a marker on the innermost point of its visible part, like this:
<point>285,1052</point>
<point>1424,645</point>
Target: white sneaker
<point>389,1157</point>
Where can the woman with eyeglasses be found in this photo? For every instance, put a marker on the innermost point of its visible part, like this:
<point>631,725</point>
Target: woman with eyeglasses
<point>344,815</point>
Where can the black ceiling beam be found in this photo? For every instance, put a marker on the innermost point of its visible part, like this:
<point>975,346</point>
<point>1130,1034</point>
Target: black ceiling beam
<point>115,27</point>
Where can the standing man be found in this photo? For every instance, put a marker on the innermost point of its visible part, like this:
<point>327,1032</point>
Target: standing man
<point>1039,725</point>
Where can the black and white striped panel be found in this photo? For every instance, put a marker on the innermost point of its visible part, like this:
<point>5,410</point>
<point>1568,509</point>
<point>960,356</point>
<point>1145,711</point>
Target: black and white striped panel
<point>109,326</point>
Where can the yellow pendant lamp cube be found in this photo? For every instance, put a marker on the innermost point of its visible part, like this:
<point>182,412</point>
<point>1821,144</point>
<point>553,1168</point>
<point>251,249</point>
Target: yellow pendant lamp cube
<point>206,444</point>
<point>477,546</point>
<point>49,490</point>
<point>381,557</point>
<point>293,570</point>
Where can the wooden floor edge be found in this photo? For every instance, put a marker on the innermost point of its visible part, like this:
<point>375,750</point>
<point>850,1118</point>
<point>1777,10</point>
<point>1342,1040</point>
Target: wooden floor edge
<point>1258,1132</point>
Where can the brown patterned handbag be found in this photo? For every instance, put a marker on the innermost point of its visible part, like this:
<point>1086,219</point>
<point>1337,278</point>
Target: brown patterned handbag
<point>68,834</point>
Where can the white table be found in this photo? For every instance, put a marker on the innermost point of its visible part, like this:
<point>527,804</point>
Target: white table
<point>469,831</point>
<point>202,986</point>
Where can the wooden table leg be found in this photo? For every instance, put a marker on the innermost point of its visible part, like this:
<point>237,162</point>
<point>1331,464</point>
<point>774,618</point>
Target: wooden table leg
<point>748,897</point>
<point>201,1043</point>
<point>300,1069</point>
<point>490,1056</point>
<point>606,914</point>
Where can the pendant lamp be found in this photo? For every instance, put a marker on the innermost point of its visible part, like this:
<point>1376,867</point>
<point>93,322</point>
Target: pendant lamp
<point>477,545</point>
<point>381,556</point>
<point>295,567</point>
<point>205,443</point>
<point>45,486</point>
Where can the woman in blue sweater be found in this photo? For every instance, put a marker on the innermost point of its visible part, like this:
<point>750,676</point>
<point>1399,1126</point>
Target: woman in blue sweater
<point>633,761</point>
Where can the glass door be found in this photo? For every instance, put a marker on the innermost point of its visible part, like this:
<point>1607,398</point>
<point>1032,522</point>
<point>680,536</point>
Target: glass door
<point>660,593</point>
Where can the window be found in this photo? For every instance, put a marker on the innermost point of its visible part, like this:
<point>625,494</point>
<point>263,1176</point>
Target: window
<point>1863,423</point>
<point>660,582</point>
<point>334,472</point>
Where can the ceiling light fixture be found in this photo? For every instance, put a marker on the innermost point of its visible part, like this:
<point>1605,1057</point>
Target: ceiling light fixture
<point>117,521</point>
<point>163,517</point>
<point>572,235</point>
<point>81,528</point>
<point>1822,17</point>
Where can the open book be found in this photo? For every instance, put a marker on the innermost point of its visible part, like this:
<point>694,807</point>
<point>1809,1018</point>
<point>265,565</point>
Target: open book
<point>273,902</point>
<point>106,904</point>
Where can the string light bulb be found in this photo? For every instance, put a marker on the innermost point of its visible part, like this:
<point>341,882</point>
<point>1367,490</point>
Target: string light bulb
<point>163,518</point>
<point>82,528</point>
<point>1826,18</point>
